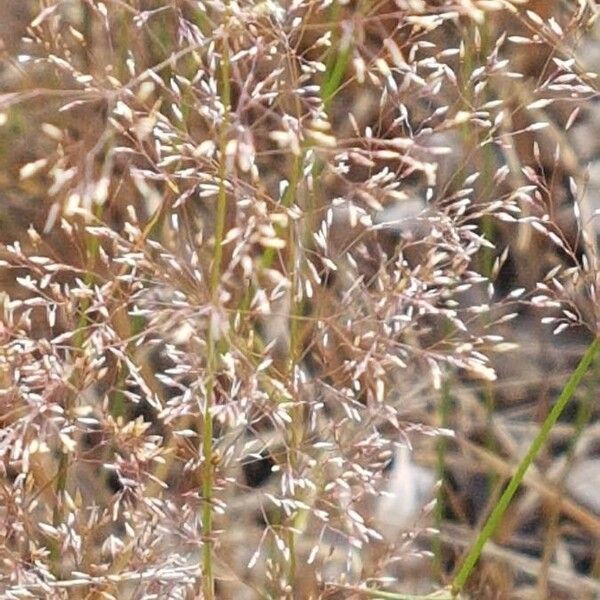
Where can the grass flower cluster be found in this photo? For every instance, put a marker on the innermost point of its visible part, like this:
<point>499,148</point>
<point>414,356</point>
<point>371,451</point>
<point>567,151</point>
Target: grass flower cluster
<point>249,249</point>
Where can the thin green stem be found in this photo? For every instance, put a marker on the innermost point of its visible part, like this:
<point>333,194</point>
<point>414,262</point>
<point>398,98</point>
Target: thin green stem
<point>584,413</point>
<point>495,517</point>
<point>208,582</point>
<point>297,413</point>
<point>336,74</point>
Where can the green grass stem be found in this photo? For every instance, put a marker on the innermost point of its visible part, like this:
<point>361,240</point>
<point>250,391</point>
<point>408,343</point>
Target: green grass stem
<point>495,517</point>
<point>208,581</point>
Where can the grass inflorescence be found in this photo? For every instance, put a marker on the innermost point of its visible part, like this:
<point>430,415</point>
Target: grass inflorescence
<point>268,269</point>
